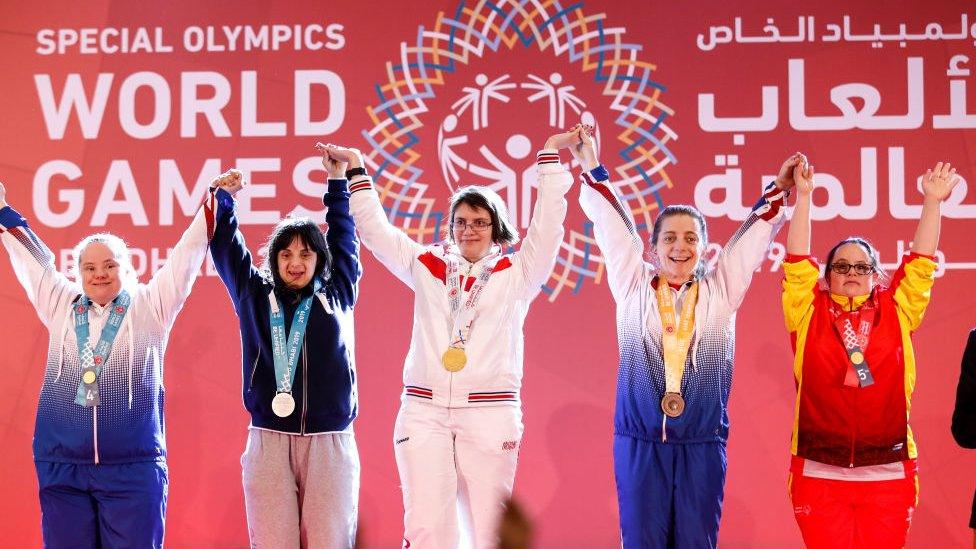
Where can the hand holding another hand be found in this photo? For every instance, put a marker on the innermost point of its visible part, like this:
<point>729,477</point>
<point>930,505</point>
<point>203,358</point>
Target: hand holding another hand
<point>231,181</point>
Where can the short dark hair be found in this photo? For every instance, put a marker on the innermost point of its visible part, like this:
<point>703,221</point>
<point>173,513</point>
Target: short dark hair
<point>692,212</point>
<point>477,196</point>
<point>311,237</point>
<point>868,248</point>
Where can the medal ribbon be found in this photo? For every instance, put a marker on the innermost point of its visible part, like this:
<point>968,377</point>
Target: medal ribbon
<point>855,341</point>
<point>676,334</point>
<point>286,354</point>
<point>463,313</point>
<point>92,360</point>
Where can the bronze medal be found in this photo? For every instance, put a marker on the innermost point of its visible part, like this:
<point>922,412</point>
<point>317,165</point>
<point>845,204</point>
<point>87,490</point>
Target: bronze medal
<point>673,404</point>
<point>454,359</point>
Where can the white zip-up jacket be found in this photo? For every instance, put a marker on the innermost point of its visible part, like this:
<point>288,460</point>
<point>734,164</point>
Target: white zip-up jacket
<point>127,425</point>
<point>493,373</point>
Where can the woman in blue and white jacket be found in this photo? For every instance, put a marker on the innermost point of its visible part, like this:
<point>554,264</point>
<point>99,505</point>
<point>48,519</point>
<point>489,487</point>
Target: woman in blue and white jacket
<point>676,336</point>
<point>301,464</point>
<point>99,445</point>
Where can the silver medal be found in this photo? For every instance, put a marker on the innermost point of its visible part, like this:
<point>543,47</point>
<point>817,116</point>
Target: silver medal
<point>283,404</point>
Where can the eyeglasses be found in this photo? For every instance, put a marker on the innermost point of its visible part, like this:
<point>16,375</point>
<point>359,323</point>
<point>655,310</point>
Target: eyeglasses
<point>476,225</point>
<point>859,268</point>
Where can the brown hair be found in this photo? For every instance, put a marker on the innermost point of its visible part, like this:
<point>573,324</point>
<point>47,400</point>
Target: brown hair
<point>692,212</point>
<point>477,196</point>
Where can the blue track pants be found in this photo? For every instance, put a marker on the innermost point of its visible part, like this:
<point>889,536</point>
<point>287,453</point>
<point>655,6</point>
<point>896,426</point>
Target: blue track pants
<point>670,495</point>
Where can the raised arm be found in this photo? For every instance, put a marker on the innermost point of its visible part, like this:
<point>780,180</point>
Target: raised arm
<point>391,246</point>
<point>798,235</point>
<point>748,246</point>
<point>537,254</point>
<point>227,247</point>
<point>937,185</point>
<point>171,285</point>
<point>800,273</point>
<point>613,223</point>
<point>341,236</point>
<point>33,263</point>
<point>912,282</point>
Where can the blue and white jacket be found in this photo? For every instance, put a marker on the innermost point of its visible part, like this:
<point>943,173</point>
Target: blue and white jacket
<point>127,426</point>
<point>707,378</point>
<point>325,378</point>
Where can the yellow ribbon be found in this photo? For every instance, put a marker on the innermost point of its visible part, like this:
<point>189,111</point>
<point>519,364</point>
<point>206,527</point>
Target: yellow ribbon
<point>675,333</point>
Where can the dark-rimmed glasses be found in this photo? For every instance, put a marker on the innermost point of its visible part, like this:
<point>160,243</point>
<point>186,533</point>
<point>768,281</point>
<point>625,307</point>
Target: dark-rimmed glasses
<point>859,268</point>
<point>476,225</point>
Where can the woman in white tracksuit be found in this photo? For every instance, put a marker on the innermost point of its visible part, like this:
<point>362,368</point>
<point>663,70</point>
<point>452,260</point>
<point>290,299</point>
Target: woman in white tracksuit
<point>459,427</point>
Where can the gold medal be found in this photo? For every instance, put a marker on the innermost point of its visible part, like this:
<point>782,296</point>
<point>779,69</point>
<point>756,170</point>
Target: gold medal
<point>88,377</point>
<point>857,357</point>
<point>673,404</point>
<point>454,359</point>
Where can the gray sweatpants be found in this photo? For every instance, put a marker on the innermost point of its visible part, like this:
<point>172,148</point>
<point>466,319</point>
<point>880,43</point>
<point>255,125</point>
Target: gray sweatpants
<point>301,491</point>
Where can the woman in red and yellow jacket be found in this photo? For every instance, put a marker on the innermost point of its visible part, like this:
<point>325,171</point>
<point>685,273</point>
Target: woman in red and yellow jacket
<point>853,478</point>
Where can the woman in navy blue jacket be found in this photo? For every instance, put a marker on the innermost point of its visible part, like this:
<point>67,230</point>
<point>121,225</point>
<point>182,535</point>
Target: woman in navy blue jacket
<point>964,415</point>
<point>301,465</point>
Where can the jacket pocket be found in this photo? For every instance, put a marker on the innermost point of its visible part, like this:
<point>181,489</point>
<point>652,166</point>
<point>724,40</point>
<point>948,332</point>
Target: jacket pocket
<point>254,369</point>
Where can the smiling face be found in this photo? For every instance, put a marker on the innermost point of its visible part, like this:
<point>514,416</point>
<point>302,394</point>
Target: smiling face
<point>474,243</point>
<point>296,264</point>
<point>100,273</point>
<point>679,247</point>
<point>851,284</point>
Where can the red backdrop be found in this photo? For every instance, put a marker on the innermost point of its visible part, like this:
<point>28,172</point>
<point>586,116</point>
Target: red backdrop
<point>696,103</point>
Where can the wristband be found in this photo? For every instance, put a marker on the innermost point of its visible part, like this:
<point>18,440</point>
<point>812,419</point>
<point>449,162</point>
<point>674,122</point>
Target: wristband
<point>355,171</point>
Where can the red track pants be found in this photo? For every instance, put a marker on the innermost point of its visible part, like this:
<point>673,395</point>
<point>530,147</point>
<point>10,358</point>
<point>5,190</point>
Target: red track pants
<point>854,514</point>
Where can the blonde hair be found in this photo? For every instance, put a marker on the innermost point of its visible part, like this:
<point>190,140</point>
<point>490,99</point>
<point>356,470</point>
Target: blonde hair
<point>119,250</point>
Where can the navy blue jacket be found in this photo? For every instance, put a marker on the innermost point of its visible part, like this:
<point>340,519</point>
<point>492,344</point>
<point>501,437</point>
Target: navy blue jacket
<point>325,378</point>
<point>964,414</point>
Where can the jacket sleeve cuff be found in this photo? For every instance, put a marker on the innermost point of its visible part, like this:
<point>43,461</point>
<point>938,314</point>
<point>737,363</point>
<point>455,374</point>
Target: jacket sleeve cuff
<point>338,185</point>
<point>598,174</point>
<point>10,218</point>
<point>547,156</point>
<point>224,199</point>
<point>360,183</point>
<point>913,255</point>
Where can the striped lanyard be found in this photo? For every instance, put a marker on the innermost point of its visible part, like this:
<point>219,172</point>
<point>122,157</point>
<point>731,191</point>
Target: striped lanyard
<point>462,310</point>
<point>855,340</point>
<point>92,360</point>
<point>676,333</point>
<point>285,347</point>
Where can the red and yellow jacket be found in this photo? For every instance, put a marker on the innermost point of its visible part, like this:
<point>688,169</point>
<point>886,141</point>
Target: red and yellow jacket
<point>854,426</point>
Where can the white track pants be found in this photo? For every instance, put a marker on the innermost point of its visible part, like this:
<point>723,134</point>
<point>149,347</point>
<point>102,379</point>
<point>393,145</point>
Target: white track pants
<point>455,460</point>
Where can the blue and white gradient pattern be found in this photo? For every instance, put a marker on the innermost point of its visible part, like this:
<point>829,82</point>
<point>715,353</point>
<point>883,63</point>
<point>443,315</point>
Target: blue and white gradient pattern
<point>707,379</point>
<point>128,424</point>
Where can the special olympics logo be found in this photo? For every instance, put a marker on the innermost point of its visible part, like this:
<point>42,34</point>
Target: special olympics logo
<point>434,101</point>
<point>511,174</point>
